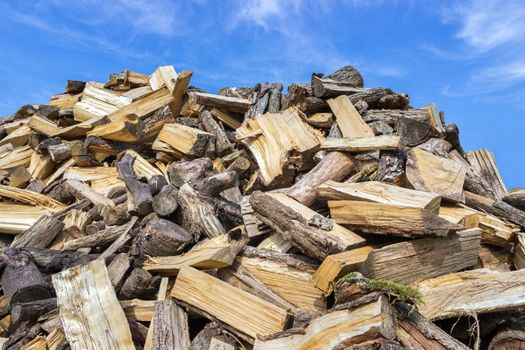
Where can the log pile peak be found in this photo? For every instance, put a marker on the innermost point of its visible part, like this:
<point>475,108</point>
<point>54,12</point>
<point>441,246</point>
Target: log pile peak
<point>146,213</point>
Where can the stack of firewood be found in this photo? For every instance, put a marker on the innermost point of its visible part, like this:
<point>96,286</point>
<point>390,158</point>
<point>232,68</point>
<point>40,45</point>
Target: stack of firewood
<point>144,213</point>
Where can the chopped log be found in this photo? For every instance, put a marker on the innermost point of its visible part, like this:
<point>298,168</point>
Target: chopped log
<point>29,197</point>
<point>389,218</point>
<point>40,235</point>
<point>379,192</point>
<point>211,331</point>
<point>334,166</point>
<point>214,253</point>
<point>18,156</point>
<point>401,262</point>
<point>160,237</point>
<point>222,144</point>
<point>184,139</point>
<point>414,132</point>
<point>232,104</point>
<point>118,269</point>
<point>321,120</point>
<point>497,208</point>
<point>485,163</point>
<point>326,87</point>
<point>362,144</point>
<point>22,282</point>
<point>15,218</point>
<point>31,310</point>
<point>182,172</point>
<point>471,292</point>
<point>493,230</point>
<point>516,198</point>
<point>18,137</point>
<point>139,194</point>
<point>337,265</point>
<point>348,74</point>
<point>82,191</point>
<point>293,283</point>
<point>312,241</point>
<point>235,307</point>
<point>338,329</point>
<point>226,118</point>
<point>89,310</point>
<point>138,310</point>
<point>178,92</point>
<point>417,332</point>
<point>279,143</point>
<point>145,106</point>
<point>171,330</point>
<point>165,202</point>
<point>100,238</point>
<point>427,172</point>
<point>127,129</point>
<point>163,76</point>
<point>97,102</point>
<point>75,86</point>
<point>348,119</point>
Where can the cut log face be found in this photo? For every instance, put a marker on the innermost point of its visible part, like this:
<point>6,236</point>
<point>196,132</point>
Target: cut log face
<point>235,307</point>
<point>341,328</point>
<point>91,322</point>
<point>472,292</point>
<point>427,172</point>
<point>416,260</point>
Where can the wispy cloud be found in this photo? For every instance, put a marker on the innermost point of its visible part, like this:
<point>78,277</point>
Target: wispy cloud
<point>489,36</point>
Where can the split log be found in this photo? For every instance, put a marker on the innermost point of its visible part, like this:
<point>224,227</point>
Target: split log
<point>493,230</point>
<point>226,118</point>
<point>427,172</point>
<point>348,119</point>
<point>185,140</point>
<point>127,129</point>
<point>29,197</point>
<point>389,218</point>
<point>89,309</point>
<point>145,106</point>
<point>472,292</point>
<point>380,192</point>
<point>312,241</point>
<point>30,311</point>
<point>338,329</point>
<point>83,191</point>
<point>117,270</point>
<point>138,310</point>
<point>232,104</point>
<point>362,144</point>
<point>327,87</point>
<point>497,208</point>
<point>210,332</point>
<point>15,218</point>
<point>279,143</point>
<point>336,266</point>
<point>97,102</point>
<point>40,235</point>
<point>178,92</point>
<point>100,238</point>
<point>334,166</point>
<point>415,331</point>
<point>485,163</point>
<point>401,262</point>
<point>214,253</point>
<point>293,282</point>
<point>164,76</point>
<point>222,144</point>
<point>171,329</point>
<point>349,75</point>
<point>235,307</point>
<point>516,198</point>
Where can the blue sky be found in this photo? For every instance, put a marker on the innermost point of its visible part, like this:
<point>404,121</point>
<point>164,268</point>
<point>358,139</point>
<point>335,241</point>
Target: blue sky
<point>466,56</point>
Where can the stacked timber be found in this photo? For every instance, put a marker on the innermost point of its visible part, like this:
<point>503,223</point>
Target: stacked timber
<point>144,213</point>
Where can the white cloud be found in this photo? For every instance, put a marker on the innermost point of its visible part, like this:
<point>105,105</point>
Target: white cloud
<point>488,24</point>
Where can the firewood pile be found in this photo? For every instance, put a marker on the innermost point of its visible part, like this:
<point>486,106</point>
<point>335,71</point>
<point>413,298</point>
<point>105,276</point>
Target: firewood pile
<point>145,213</point>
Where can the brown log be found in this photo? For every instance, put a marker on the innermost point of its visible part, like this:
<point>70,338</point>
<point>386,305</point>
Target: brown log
<point>139,193</point>
<point>182,172</point>
<point>222,144</point>
<point>508,340</point>
<point>161,237</point>
<point>171,330</point>
<point>32,310</point>
<point>334,166</point>
<point>139,284</point>
<point>165,202</point>
<point>40,235</point>
<point>21,280</point>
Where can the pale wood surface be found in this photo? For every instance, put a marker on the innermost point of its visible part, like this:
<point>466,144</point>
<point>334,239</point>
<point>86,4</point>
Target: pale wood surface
<point>90,312</point>
<point>348,119</point>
